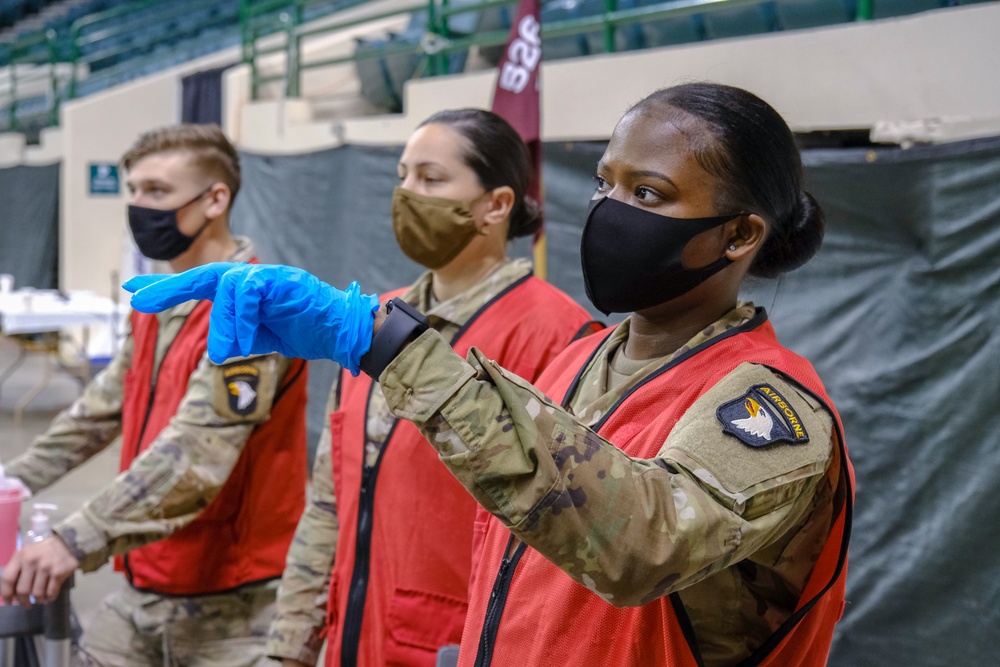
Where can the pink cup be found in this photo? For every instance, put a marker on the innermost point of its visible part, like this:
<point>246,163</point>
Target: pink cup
<point>10,512</point>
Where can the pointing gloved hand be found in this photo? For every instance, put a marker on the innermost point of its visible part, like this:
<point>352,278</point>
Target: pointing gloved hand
<point>263,308</point>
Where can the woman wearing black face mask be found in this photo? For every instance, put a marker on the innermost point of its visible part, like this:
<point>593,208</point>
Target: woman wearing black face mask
<point>683,497</point>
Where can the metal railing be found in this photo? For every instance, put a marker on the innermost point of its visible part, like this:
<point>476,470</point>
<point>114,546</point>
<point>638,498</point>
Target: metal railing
<point>434,46</point>
<point>268,27</point>
<point>259,19</point>
<point>105,44</point>
<point>438,43</point>
<point>31,59</point>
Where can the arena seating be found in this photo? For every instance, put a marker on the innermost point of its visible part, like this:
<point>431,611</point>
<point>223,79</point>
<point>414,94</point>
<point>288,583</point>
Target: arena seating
<point>137,38</point>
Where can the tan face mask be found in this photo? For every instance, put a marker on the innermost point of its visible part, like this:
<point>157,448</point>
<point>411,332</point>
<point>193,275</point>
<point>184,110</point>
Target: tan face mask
<point>432,230</point>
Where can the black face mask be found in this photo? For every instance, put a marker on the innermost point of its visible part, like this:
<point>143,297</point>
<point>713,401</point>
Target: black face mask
<point>155,231</point>
<point>632,258</point>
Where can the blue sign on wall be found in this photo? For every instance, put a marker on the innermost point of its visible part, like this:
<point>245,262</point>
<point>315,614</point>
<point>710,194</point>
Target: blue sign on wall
<point>104,178</point>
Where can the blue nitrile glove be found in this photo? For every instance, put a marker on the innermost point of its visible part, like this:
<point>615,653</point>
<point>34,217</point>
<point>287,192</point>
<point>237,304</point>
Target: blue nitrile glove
<point>263,308</point>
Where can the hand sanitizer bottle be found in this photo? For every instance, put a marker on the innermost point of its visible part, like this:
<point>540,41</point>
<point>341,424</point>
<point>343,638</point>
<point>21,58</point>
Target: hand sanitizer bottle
<point>41,527</point>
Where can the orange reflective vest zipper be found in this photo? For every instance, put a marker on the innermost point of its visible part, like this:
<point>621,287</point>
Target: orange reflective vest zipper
<point>243,535</point>
<point>399,583</point>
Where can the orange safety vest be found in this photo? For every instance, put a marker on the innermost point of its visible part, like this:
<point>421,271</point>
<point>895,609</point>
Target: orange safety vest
<point>399,585</point>
<point>538,615</point>
<point>243,535</point>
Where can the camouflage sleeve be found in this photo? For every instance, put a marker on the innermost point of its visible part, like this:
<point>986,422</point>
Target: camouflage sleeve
<point>630,530</point>
<point>184,468</point>
<point>296,630</point>
<point>80,431</point>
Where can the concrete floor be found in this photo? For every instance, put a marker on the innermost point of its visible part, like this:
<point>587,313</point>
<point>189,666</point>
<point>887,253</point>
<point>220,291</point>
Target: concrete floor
<point>74,489</point>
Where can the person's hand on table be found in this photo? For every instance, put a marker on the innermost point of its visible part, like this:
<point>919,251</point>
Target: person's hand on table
<point>264,308</point>
<point>38,570</point>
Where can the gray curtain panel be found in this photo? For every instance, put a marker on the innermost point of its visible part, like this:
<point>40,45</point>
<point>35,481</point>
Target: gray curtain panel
<point>898,311</point>
<point>29,225</point>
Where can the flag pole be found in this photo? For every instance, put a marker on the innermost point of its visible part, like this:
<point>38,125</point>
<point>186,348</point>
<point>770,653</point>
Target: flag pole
<point>538,250</point>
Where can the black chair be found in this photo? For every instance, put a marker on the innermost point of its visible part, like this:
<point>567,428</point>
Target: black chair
<point>798,14</point>
<point>382,78</point>
<point>20,625</point>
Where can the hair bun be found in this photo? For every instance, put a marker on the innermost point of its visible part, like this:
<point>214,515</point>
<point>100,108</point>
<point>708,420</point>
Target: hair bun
<point>525,219</point>
<point>790,246</point>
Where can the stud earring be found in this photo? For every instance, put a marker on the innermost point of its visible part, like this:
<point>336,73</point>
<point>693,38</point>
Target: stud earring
<point>732,247</point>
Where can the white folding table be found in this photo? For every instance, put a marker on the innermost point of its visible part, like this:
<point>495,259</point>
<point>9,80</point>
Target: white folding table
<point>37,320</point>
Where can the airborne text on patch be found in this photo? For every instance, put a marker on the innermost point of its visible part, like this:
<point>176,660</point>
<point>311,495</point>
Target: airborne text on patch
<point>762,417</point>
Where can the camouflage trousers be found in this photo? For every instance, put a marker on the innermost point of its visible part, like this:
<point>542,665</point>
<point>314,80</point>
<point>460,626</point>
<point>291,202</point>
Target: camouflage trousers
<point>132,629</point>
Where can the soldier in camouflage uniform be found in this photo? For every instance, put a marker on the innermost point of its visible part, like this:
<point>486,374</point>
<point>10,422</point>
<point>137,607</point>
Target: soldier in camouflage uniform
<point>479,281</point>
<point>674,492</point>
<point>729,514</point>
<point>183,180</point>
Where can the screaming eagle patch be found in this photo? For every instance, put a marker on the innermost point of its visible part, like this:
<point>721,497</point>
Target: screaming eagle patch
<point>241,385</point>
<point>762,417</point>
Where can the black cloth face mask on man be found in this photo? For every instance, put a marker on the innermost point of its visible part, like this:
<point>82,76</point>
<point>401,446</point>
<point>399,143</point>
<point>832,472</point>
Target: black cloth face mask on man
<point>632,257</point>
<point>156,232</point>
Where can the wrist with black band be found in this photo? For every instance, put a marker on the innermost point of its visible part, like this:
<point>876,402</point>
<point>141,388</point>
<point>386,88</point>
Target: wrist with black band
<point>402,324</point>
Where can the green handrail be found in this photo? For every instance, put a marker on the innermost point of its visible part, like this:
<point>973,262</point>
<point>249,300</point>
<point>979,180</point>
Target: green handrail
<point>251,10</point>
<point>443,45</point>
<point>432,25</point>
<point>25,51</point>
<point>257,19</point>
<point>482,6</point>
<point>53,39</point>
<point>294,34</point>
<point>866,10</point>
<point>609,29</point>
<point>292,59</point>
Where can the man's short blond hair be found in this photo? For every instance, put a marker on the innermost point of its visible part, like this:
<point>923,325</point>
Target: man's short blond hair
<point>210,150</point>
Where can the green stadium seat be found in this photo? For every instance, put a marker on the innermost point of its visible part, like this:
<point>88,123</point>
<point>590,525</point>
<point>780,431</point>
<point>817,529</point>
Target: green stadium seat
<point>671,31</point>
<point>382,78</point>
<point>492,20</point>
<point>566,46</point>
<point>627,37</point>
<point>799,14</point>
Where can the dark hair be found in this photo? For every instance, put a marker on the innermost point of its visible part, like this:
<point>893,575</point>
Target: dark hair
<point>754,156</point>
<point>211,152</point>
<point>499,157</point>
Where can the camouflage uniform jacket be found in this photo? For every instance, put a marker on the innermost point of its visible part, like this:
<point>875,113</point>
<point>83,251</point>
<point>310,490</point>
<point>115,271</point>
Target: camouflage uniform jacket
<point>302,597</point>
<point>161,492</point>
<point>739,561</point>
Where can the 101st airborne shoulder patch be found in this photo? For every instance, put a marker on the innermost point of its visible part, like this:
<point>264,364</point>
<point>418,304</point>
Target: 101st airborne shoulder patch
<point>762,417</point>
<point>241,383</point>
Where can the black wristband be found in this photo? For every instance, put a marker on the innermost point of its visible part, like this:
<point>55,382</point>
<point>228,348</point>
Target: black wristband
<point>402,323</point>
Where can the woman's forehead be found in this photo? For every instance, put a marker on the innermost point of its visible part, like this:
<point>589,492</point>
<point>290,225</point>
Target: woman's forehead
<point>655,139</point>
<point>436,143</point>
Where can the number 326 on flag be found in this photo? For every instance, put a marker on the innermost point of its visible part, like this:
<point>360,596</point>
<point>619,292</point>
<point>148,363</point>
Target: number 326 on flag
<point>523,55</point>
